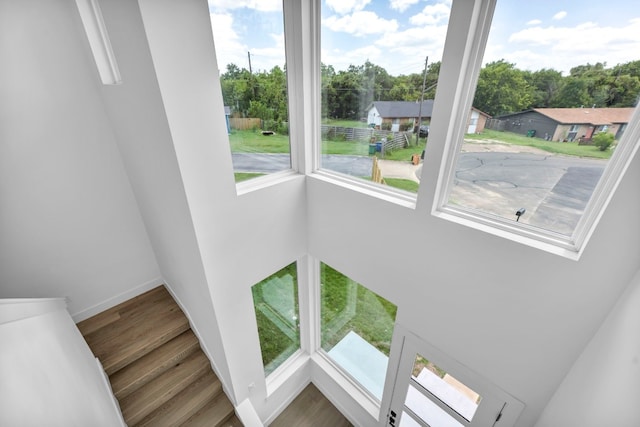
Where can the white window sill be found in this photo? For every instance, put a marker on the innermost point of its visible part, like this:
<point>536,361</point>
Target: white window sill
<point>285,371</point>
<point>382,192</point>
<point>364,399</point>
<point>269,180</point>
<point>521,233</point>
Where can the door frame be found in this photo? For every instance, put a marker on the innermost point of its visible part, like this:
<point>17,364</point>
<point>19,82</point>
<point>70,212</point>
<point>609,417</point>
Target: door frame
<point>403,348</point>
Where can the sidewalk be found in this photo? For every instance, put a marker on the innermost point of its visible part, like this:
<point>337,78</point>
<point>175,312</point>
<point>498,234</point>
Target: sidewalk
<point>402,170</point>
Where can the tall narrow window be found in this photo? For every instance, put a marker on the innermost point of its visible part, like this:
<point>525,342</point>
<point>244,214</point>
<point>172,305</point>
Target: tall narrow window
<point>275,301</point>
<point>556,89</point>
<point>356,326</point>
<point>249,38</point>
<point>379,72</point>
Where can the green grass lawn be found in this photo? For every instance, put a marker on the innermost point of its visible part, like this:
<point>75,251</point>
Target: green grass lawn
<point>565,148</point>
<point>402,184</point>
<point>248,141</point>
<point>343,310</point>
<point>244,176</point>
<point>404,154</point>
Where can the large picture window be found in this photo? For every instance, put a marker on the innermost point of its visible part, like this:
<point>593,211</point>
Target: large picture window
<point>356,328</point>
<point>380,63</point>
<point>275,300</point>
<point>555,91</point>
<point>250,50</point>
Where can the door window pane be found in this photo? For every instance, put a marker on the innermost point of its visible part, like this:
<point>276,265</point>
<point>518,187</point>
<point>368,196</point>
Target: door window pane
<point>356,326</point>
<point>250,48</point>
<point>378,86</point>
<point>557,87</point>
<point>445,387</point>
<point>275,301</point>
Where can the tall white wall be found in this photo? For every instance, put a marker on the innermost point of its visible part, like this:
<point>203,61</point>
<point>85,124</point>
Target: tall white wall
<point>603,386</point>
<point>240,239</point>
<point>516,315</point>
<point>69,223</point>
<point>87,172</point>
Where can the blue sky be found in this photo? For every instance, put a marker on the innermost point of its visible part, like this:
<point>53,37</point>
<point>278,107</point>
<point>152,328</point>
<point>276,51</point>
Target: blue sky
<point>398,34</point>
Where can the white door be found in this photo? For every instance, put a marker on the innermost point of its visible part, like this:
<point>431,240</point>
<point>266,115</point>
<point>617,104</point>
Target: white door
<point>431,389</point>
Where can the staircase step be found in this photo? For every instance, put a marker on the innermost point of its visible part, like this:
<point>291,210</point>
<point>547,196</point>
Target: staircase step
<point>106,317</point>
<point>150,366</point>
<point>232,422</point>
<point>141,328</point>
<point>157,392</point>
<point>186,403</point>
<point>215,413</point>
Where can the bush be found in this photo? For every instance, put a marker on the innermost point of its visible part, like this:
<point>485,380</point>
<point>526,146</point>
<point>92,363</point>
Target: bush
<point>603,140</point>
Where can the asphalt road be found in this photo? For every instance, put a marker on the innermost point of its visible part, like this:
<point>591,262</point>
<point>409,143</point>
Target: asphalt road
<point>554,190</point>
<point>268,163</point>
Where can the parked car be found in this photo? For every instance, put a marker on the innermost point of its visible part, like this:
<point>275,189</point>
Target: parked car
<point>424,131</point>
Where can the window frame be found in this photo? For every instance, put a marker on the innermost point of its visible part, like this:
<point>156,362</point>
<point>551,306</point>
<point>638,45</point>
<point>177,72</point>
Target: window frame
<point>461,85</point>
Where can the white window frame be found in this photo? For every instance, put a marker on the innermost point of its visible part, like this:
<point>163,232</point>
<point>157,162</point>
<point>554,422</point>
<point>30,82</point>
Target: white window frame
<point>461,63</point>
<point>313,96</point>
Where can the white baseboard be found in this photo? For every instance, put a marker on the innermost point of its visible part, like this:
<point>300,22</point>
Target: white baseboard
<point>113,301</point>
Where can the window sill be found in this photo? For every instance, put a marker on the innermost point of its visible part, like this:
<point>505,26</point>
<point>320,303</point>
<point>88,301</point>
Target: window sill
<point>269,180</point>
<point>359,395</point>
<point>285,371</point>
<point>388,194</point>
<point>556,244</point>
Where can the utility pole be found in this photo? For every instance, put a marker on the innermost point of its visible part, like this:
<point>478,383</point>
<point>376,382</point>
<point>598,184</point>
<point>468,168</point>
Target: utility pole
<point>424,82</point>
<point>249,56</point>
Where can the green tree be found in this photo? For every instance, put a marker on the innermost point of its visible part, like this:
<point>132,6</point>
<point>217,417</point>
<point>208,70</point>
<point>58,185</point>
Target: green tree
<point>502,88</point>
<point>603,140</point>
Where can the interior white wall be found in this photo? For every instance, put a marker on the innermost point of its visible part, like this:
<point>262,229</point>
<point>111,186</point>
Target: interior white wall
<point>603,386</point>
<point>515,315</point>
<point>241,239</point>
<point>68,218</point>
<point>70,225</point>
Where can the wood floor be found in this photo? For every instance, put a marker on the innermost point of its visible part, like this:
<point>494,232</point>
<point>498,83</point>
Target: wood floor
<point>310,409</point>
<point>156,367</point>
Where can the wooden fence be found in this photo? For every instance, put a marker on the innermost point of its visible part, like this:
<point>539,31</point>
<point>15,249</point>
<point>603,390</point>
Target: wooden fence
<point>376,173</point>
<point>240,123</point>
<point>393,140</point>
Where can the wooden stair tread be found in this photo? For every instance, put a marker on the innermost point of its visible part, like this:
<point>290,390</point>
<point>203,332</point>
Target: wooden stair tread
<point>149,304</point>
<point>186,403</point>
<point>106,317</point>
<point>232,422</point>
<point>150,366</point>
<point>215,413</point>
<point>137,332</point>
<point>157,392</point>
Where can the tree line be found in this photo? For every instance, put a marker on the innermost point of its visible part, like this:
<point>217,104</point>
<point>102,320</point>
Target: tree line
<point>502,88</point>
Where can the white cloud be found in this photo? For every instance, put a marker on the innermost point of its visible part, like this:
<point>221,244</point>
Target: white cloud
<point>341,59</point>
<point>562,48</point>
<point>432,14</point>
<point>343,7</point>
<point>264,59</point>
<point>534,22</point>
<point>229,47</point>
<point>560,15</point>
<point>402,5</point>
<point>361,23</point>
<point>260,5</point>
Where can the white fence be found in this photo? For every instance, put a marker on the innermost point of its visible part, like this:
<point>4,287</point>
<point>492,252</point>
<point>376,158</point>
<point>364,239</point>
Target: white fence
<point>393,140</point>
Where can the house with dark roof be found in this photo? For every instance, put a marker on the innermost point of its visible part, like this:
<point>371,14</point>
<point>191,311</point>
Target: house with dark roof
<point>567,124</point>
<point>397,112</point>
